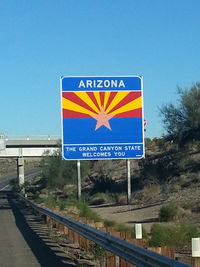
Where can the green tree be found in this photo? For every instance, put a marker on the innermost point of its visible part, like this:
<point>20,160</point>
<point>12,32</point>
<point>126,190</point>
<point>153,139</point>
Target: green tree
<point>57,172</point>
<point>182,121</point>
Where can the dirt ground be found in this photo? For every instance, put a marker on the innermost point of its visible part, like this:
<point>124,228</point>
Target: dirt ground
<point>130,214</point>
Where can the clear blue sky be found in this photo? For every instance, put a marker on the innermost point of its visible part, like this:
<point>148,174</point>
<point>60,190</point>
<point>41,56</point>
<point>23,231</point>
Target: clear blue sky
<point>43,40</point>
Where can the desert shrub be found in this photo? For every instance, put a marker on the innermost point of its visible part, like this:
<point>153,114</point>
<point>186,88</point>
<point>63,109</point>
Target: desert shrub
<point>187,205</point>
<point>175,187</point>
<point>149,143</point>
<point>99,198</point>
<point>85,197</point>
<point>109,223</point>
<point>30,195</point>
<point>103,183</point>
<point>124,228</point>
<point>168,212</point>
<point>38,199</point>
<point>149,192</point>
<point>193,145</point>
<point>162,144</point>
<point>163,234</point>
<point>86,212</point>
<point>121,198</point>
<point>102,198</point>
<point>61,204</point>
<point>173,235</point>
<point>69,190</point>
<point>183,213</point>
<point>99,253</point>
<point>186,232</point>
<point>50,202</point>
<point>185,162</point>
<point>56,173</point>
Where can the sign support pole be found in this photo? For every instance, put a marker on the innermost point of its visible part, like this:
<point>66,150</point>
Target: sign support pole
<point>79,179</point>
<point>128,181</point>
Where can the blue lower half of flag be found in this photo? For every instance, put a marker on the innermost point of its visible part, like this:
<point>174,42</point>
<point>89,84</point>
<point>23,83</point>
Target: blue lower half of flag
<point>82,141</point>
<point>82,131</point>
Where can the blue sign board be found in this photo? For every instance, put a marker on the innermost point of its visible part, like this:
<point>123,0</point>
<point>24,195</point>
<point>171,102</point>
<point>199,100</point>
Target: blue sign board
<point>102,117</point>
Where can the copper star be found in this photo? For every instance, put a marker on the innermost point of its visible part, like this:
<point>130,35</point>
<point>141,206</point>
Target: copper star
<point>102,119</point>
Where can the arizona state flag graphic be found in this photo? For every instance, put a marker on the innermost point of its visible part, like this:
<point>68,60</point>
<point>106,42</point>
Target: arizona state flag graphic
<point>102,117</point>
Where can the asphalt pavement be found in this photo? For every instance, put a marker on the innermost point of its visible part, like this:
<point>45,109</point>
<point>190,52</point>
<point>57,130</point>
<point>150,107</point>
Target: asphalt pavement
<point>20,242</point>
<point>5,179</point>
<point>14,251</point>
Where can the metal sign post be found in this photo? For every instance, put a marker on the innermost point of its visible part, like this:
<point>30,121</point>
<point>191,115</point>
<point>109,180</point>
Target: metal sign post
<point>128,181</point>
<point>78,179</point>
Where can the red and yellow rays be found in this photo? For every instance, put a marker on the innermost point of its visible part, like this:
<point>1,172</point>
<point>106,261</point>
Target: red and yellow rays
<point>91,104</point>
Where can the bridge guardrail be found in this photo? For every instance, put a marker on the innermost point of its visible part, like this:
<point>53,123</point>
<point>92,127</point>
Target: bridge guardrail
<point>132,253</point>
<point>32,137</point>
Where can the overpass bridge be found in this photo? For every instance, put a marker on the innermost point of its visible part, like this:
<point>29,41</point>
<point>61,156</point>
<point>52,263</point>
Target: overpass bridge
<point>21,147</point>
<point>29,146</point>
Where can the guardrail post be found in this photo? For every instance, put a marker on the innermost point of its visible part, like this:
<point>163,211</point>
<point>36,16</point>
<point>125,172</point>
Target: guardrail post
<point>71,235</point>
<point>156,249</point>
<point>51,222</point>
<point>196,251</point>
<point>110,259</point>
<point>196,262</point>
<point>83,242</point>
<point>66,230</point>
<point>99,225</point>
<point>168,251</point>
<point>61,228</point>
<point>125,236</point>
<point>47,220</point>
<point>76,238</point>
<point>118,261</point>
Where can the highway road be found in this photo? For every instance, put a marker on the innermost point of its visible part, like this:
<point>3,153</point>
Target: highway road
<point>5,179</point>
<point>14,250</point>
<point>24,241</point>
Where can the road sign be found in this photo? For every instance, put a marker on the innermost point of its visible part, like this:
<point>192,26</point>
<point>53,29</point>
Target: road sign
<point>102,117</point>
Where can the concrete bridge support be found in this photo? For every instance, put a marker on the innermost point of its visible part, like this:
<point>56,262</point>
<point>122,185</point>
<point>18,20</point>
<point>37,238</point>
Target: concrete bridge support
<point>20,171</point>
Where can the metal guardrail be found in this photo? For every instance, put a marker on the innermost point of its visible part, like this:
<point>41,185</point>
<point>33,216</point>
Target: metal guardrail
<point>132,253</point>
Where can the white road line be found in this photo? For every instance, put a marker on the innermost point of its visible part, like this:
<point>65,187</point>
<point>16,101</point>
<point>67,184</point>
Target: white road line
<point>4,187</point>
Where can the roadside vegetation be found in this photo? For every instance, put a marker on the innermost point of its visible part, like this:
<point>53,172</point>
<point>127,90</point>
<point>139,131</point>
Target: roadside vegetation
<point>74,208</point>
<point>182,121</point>
<point>174,233</point>
<point>57,173</point>
<point>177,235</point>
